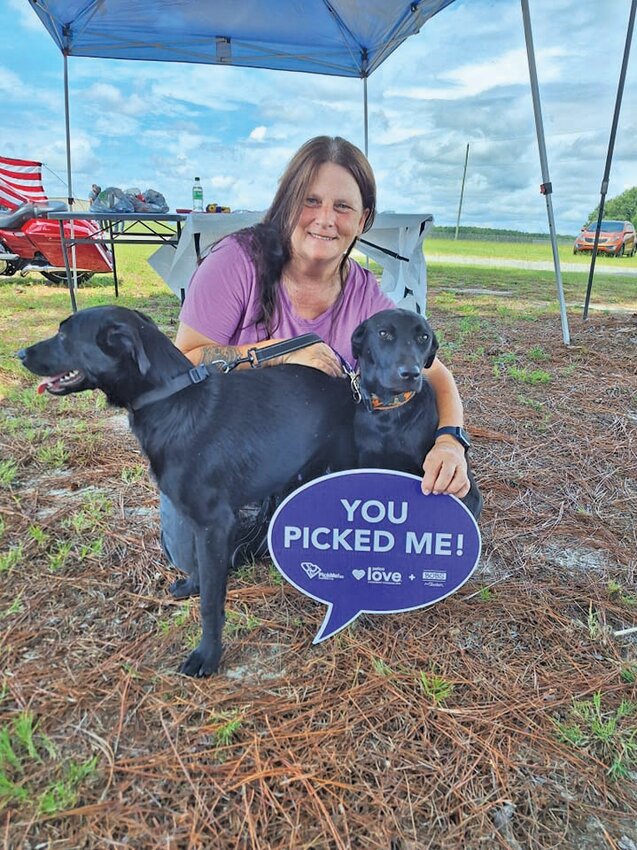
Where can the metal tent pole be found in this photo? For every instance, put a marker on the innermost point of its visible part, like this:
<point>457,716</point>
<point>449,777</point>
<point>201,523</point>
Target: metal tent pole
<point>366,116</point>
<point>71,273</point>
<point>609,155</point>
<point>67,121</point>
<point>546,187</point>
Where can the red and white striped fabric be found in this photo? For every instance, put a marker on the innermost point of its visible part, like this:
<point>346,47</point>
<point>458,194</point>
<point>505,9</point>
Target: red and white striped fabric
<point>20,182</point>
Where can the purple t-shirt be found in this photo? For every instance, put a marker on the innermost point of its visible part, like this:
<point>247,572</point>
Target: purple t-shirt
<point>223,300</point>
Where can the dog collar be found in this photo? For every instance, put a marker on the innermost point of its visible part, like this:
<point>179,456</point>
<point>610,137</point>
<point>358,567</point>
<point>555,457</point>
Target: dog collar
<point>175,385</point>
<point>397,401</point>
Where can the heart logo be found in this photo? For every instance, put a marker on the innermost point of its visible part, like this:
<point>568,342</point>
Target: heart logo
<point>312,570</point>
<point>358,574</point>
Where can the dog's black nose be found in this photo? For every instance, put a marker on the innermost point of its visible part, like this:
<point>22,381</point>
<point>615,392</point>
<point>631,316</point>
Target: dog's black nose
<point>22,354</point>
<point>409,373</point>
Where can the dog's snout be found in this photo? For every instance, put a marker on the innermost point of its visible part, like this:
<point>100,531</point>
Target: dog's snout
<point>22,354</point>
<point>409,373</point>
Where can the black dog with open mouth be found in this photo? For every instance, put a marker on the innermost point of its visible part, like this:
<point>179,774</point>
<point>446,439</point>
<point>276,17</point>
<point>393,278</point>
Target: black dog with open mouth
<point>215,441</point>
<point>395,426</point>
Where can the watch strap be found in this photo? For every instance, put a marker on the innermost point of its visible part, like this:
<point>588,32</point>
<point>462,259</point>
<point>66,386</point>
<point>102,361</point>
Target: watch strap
<point>457,432</point>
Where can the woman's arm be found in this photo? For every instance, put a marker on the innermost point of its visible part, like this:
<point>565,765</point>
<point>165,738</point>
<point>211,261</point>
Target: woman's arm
<point>201,349</point>
<point>445,466</point>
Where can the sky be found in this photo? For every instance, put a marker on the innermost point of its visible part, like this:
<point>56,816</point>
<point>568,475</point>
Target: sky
<point>463,79</point>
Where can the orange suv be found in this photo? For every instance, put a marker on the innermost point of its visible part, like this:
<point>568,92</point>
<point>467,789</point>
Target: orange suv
<point>615,237</point>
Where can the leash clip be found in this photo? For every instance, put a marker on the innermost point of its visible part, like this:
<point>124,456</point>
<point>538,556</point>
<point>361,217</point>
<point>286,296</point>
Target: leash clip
<point>354,380</point>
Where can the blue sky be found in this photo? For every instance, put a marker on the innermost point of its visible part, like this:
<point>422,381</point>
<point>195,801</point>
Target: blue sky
<point>462,79</point>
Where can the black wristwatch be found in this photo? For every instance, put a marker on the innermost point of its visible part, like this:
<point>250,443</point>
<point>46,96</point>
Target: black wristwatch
<point>458,433</point>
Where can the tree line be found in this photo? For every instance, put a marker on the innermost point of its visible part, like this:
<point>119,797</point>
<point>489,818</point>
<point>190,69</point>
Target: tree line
<point>623,207</point>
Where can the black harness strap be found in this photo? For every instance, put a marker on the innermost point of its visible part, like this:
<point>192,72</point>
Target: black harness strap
<point>174,385</point>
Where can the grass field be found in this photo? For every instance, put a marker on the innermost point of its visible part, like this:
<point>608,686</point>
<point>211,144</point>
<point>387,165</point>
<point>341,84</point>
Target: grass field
<point>29,308</point>
<point>504,717</point>
<point>528,251</point>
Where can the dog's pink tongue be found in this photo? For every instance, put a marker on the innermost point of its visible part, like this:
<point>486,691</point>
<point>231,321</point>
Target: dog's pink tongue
<point>42,387</point>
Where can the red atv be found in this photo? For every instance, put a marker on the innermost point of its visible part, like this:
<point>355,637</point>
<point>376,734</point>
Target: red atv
<point>29,242</point>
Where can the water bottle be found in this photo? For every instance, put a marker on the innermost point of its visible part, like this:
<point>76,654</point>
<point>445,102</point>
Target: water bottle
<point>197,196</point>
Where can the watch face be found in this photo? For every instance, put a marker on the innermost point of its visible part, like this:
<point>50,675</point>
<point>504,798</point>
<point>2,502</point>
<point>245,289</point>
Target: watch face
<point>463,438</point>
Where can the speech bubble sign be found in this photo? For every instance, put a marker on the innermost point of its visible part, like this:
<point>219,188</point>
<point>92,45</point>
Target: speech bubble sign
<point>369,541</point>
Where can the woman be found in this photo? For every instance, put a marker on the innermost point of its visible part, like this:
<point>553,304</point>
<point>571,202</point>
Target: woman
<point>291,275</point>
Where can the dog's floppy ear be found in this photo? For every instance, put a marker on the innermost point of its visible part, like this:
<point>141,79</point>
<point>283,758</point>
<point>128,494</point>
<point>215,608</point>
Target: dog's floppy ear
<point>432,350</point>
<point>357,339</point>
<point>121,336</point>
<point>145,317</point>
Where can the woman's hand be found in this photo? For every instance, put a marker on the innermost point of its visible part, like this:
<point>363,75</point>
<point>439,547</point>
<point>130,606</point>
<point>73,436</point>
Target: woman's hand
<point>319,356</point>
<point>445,468</point>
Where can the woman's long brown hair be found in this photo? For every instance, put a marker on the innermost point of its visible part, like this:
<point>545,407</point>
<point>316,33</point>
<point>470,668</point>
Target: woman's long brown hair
<point>269,244</point>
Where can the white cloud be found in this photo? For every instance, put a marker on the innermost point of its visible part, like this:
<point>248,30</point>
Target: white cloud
<point>258,134</point>
<point>10,84</point>
<point>221,182</point>
<point>509,69</point>
<point>26,17</point>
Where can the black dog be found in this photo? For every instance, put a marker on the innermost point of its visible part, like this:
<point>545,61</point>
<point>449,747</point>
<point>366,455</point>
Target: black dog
<point>394,426</point>
<point>214,445</point>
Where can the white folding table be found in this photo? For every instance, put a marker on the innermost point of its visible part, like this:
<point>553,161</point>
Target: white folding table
<point>395,242</point>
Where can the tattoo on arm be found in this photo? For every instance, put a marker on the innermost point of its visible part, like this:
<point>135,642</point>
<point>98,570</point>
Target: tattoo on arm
<point>210,353</point>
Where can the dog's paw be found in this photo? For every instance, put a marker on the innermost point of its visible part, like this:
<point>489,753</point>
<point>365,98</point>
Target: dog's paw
<point>200,664</point>
<point>183,588</point>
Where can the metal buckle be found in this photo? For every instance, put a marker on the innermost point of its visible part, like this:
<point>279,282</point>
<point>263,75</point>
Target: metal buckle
<point>253,358</point>
<point>198,373</point>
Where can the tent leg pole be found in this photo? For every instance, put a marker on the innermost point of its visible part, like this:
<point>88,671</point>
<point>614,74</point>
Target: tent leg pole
<point>365,117</point>
<point>546,183</point>
<point>67,122</point>
<point>72,282</point>
<point>609,155</point>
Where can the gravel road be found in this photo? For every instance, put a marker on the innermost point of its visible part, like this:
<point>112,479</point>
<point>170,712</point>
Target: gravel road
<point>540,265</point>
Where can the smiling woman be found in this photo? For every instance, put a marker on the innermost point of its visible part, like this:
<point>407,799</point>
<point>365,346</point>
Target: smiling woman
<point>292,274</point>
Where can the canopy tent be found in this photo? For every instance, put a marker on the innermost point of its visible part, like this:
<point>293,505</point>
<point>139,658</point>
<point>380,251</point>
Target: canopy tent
<point>348,38</point>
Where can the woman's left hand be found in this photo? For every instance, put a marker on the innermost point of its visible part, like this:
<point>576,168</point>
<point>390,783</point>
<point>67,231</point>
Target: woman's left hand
<point>445,469</point>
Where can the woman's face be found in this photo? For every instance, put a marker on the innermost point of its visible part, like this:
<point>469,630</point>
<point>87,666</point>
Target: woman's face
<point>331,218</point>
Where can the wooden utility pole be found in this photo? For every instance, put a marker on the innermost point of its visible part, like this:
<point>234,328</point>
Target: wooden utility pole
<point>464,175</point>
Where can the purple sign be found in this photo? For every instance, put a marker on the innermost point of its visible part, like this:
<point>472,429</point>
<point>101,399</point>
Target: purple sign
<point>369,541</point>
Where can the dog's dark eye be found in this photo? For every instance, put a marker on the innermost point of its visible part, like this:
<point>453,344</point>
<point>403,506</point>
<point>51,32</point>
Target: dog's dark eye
<point>387,335</point>
<point>422,338</point>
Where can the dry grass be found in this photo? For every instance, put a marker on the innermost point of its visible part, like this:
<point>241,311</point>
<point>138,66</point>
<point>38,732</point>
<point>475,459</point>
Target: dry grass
<point>338,746</point>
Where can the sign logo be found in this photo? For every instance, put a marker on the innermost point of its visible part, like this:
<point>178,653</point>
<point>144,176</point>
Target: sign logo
<point>369,541</point>
<point>310,569</point>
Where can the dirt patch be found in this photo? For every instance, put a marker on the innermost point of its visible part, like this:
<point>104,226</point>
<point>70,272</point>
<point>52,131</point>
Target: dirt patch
<point>454,726</point>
